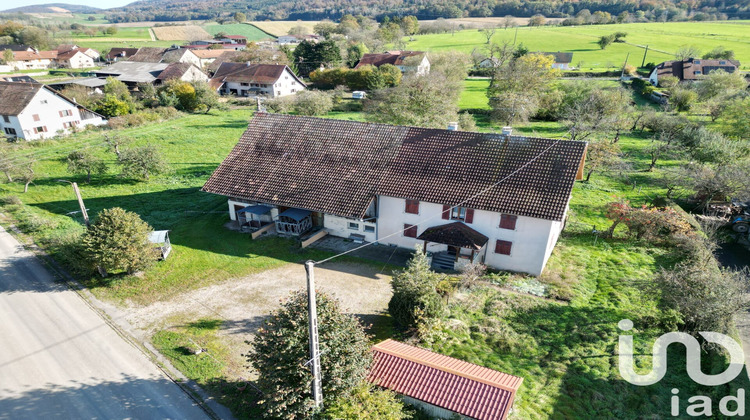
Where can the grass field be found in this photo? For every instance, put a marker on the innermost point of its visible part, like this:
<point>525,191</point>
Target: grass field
<point>136,34</point>
<point>663,40</point>
<point>251,32</point>
<point>282,27</point>
<point>180,33</point>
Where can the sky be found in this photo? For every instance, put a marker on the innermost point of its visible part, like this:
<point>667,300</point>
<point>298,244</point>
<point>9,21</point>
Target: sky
<point>102,4</point>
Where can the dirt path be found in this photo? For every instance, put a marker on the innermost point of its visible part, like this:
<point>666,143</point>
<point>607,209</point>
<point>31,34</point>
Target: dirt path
<point>243,303</point>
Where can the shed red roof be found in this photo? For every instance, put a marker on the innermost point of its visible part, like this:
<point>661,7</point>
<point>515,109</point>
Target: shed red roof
<point>391,57</point>
<point>443,381</point>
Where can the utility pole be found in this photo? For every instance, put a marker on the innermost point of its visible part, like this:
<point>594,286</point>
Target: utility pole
<point>317,390</point>
<point>80,203</point>
<point>643,63</point>
<point>622,74</point>
<point>515,36</point>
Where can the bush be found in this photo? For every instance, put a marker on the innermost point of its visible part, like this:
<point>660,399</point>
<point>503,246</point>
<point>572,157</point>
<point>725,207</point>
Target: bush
<point>10,200</point>
<point>368,402</point>
<point>281,347</point>
<point>415,293</point>
<point>118,241</point>
<point>313,102</point>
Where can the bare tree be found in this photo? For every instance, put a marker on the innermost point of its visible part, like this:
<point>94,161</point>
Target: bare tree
<point>509,22</point>
<point>488,33</point>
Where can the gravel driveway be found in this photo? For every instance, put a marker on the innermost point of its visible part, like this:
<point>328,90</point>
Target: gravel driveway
<point>243,302</point>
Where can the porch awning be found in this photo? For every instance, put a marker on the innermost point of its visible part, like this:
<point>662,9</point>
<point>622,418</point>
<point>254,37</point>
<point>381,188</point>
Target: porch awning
<point>454,234</point>
<point>257,210</point>
<point>158,236</point>
<point>296,214</point>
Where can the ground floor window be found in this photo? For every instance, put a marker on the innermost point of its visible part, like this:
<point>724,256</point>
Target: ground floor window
<point>410,231</point>
<point>11,131</point>
<point>369,228</point>
<point>353,226</point>
<point>503,247</point>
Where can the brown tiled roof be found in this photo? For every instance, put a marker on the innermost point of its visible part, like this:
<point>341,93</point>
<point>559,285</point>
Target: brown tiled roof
<point>67,55</point>
<point>148,55</point>
<point>174,71</point>
<point>15,96</point>
<point>338,167</point>
<point>33,55</point>
<point>458,386</point>
<point>392,57</point>
<point>249,73</point>
<point>455,234</point>
<point>686,69</point>
<point>121,52</point>
<point>225,57</point>
<point>66,47</point>
<point>208,53</point>
<point>561,57</point>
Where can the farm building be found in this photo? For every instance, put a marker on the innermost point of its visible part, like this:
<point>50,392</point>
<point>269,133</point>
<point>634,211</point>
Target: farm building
<point>33,60</point>
<point>132,73</point>
<point>92,84</point>
<point>406,61</point>
<point>120,53</point>
<point>186,72</point>
<point>74,59</point>
<point>691,69</point>
<point>442,386</point>
<point>32,111</point>
<point>244,79</point>
<point>562,59</point>
<point>408,186</point>
<point>296,39</point>
<point>172,54</point>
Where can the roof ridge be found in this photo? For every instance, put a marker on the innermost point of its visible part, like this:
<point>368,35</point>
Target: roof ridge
<point>379,347</point>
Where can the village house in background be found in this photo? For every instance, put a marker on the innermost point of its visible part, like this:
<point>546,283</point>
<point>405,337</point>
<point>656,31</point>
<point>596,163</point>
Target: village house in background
<point>33,60</point>
<point>406,61</point>
<point>173,54</point>
<point>404,186</point>
<point>562,59</point>
<point>133,73</point>
<point>691,69</point>
<point>296,39</point>
<point>73,57</point>
<point>442,386</point>
<point>229,42</point>
<point>116,54</point>
<point>32,111</point>
<point>245,79</point>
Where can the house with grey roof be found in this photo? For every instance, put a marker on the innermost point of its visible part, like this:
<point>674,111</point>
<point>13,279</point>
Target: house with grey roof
<point>245,79</point>
<point>32,111</point>
<point>463,197</point>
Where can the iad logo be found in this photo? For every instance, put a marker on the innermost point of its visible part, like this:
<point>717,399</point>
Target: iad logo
<point>702,405</point>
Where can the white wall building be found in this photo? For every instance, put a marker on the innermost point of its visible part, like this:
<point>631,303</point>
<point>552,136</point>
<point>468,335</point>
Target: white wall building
<point>75,59</point>
<point>270,80</point>
<point>32,111</point>
<point>407,187</point>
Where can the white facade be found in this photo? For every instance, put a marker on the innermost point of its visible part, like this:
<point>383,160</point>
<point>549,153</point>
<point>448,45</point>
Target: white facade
<point>32,64</point>
<point>47,115</point>
<point>532,240</point>
<point>286,84</point>
<point>79,60</point>
<point>561,66</point>
<point>421,69</point>
<point>194,74</point>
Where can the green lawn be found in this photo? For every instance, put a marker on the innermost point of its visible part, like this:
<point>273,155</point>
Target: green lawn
<point>251,32</point>
<point>663,40</point>
<point>474,95</point>
<point>204,252</point>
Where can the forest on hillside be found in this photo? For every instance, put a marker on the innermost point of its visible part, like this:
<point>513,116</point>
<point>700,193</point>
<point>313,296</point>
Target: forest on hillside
<point>650,10</point>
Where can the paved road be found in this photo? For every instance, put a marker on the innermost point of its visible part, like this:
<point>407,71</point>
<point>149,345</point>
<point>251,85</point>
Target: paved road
<point>59,359</point>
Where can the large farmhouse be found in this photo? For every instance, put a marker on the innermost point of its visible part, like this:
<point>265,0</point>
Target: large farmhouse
<point>406,61</point>
<point>31,111</point>
<point>245,79</point>
<point>465,197</point>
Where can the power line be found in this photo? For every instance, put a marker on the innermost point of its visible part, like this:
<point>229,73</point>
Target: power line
<point>421,222</point>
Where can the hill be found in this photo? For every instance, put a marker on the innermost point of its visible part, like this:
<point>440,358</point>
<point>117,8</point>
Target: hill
<point>259,10</point>
<point>54,8</point>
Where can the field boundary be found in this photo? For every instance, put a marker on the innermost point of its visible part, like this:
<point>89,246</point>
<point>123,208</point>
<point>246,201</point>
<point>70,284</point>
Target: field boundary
<point>261,29</point>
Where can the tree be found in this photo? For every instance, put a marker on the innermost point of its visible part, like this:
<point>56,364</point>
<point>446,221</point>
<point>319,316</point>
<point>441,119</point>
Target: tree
<point>354,53</point>
<point>719,53</point>
<point>313,102</point>
<point>706,296</point>
<point>537,20</point>
<point>114,143</point>
<point>720,83</point>
<point>141,162</point>
<point>605,41</point>
<point>367,402</point>
<point>325,28</point>
<point>183,92</point>
<point>686,52</point>
<point>111,106</point>
<point>417,101</point>
<point>454,65</point>
<point>112,30</point>
<point>509,22</point>
<point>8,57</point>
<point>309,56</point>
<point>594,111</point>
<point>668,82</point>
<point>516,88</point>
<point>280,350</point>
<point>206,98</point>
<point>619,36</point>
<point>488,33</point>
<point>118,89</point>
<point>415,293</point>
<point>718,182</point>
<point>601,156</point>
<point>682,99</point>
<point>734,118</point>
<point>409,26</point>
<point>298,30</point>
<point>240,17</point>
<point>83,161</point>
<point>81,95</point>
<point>118,241</point>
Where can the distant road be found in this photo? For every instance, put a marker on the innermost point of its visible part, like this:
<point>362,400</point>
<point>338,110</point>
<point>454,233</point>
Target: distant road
<point>60,360</point>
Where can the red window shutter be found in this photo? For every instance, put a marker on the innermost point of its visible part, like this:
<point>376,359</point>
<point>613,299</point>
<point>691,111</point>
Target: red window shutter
<point>35,131</point>
<point>503,247</point>
<point>60,112</point>
<point>508,221</point>
<point>410,231</point>
<point>412,206</point>
<point>469,215</point>
<point>446,212</point>
<point>36,117</point>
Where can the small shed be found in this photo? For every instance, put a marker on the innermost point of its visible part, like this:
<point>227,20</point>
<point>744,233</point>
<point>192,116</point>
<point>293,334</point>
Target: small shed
<point>163,247</point>
<point>358,94</point>
<point>254,217</point>
<point>294,222</point>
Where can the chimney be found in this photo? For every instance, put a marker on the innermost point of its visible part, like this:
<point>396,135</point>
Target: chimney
<point>453,126</point>
<point>507,131</point>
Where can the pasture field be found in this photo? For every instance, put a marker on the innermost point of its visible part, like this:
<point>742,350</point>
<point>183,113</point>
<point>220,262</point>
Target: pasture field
<point>104,46</point>
<point>180,33</point>
<point>663,40</point>
<point>134,33</point>
<point>282,27</point>
<point>251,32</point>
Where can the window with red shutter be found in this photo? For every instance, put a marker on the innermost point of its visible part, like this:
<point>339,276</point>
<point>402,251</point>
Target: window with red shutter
<point>410,231</point>
<point>60,112</point>
<point>446,212</point>
<point>36,117</point>
<point>412,206</point>
<point>503,247</point>
<point>508,221</point>
<point>469,216</point>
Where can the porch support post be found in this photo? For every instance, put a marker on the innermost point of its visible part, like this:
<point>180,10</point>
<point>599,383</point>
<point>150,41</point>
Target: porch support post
<point>424,247</point>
